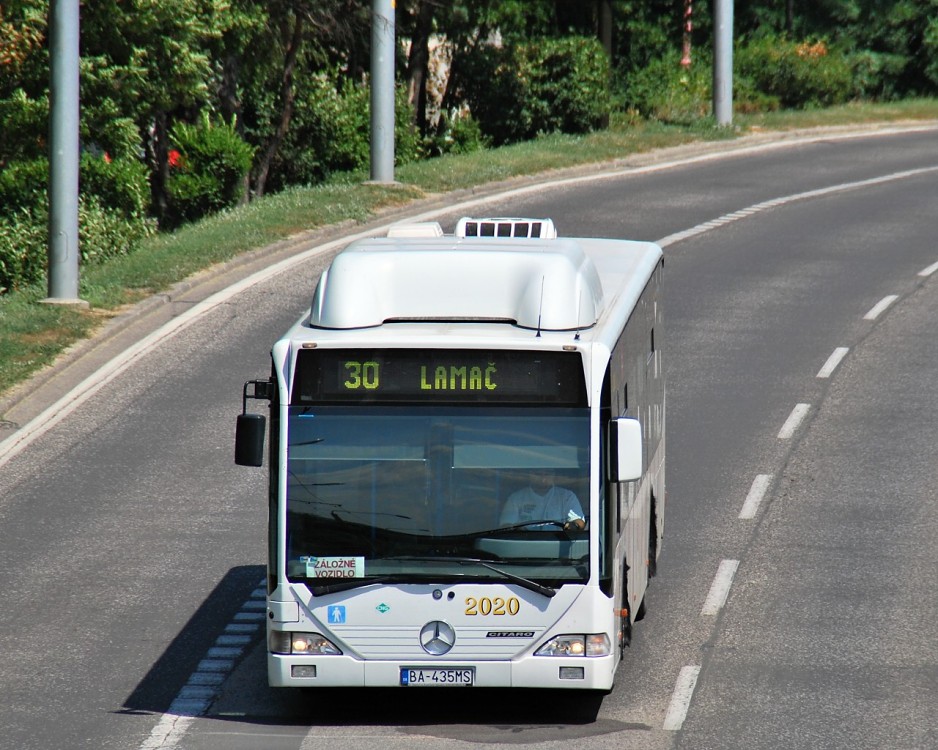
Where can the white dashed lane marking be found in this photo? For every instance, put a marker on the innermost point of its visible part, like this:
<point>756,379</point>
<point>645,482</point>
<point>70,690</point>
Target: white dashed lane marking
<point>720,588</point>
<point>929,271</point>
<point>794,421</point>
<point>759,487</point>
<point>680,698</point>
<point>880,307</point>
<point>832,362</point>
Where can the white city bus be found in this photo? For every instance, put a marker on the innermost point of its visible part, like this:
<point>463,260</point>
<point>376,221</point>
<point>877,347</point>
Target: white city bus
<point>434,377</point>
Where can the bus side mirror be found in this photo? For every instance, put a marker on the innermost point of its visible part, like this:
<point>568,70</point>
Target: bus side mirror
<point>625,455</point>
<point>249,433</point>
<point>249,439</point>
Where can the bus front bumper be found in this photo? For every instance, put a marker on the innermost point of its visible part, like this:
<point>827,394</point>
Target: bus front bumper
<point>582,673</point>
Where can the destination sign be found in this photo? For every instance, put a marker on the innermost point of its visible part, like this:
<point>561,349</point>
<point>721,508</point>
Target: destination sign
<point>438,376</point>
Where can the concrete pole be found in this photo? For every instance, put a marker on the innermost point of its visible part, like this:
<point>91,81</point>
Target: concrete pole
<point>723,61</point>
<point>63,153</point>
<point>382,91</point>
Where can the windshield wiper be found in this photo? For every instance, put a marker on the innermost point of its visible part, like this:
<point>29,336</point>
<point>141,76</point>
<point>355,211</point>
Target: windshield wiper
<point>513,527</point>
<point>527,583</point>
<point>521,581</point>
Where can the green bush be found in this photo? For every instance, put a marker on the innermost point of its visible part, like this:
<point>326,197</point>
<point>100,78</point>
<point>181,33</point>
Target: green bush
<point>113,207</point>
<point>112,215</point>
<point>23,186</point>
<point>105,233</point>
<point>930,54</point>
<point>102,233</point>
<point>769,73</point>
<point>800,74</point>
<point>456,133</point>
<point>665,90</point>
<point>408,144</point>
<point>331,132</point>
<point>488,80</point>
<point>207,169</point>
<point>23,249</point>
<point>24,127</point>
<point>568,84</point>
<point>544,86</point>
<point>876,74</point>
<point>119,185</point>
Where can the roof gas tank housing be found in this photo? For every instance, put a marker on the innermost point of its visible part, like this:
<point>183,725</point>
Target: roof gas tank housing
<point>419,274</point>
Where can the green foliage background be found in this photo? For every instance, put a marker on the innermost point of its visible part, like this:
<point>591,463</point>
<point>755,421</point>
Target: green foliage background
<point>258,96</point>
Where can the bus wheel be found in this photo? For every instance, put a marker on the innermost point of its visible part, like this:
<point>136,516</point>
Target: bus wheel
<point>625,631</point>
<point>653,541</point>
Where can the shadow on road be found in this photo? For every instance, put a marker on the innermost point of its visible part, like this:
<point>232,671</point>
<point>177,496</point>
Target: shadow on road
<point>505,716</point>
<point>489,715</point>
<point>166,677</point>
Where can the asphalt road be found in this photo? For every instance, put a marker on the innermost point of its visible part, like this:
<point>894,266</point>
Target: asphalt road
<point>796,599</point>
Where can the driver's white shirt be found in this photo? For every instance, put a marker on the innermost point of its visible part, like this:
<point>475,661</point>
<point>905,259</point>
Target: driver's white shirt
<point>557,504</point>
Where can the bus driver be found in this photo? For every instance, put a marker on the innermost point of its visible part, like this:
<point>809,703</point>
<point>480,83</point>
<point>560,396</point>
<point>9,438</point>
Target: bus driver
<point>544,500</point>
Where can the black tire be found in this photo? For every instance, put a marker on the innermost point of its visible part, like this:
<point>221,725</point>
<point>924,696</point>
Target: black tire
<point>625,640</point>
<point>653,541</point>
<point>640,613</point>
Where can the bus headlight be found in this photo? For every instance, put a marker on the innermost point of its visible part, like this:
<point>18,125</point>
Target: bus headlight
<point>590,644</point>
<point>298,644</point>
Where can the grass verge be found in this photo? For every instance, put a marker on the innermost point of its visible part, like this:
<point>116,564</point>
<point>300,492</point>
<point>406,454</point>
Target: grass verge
<point>32,334</point>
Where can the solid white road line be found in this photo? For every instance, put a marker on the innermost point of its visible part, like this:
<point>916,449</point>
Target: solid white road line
<point>759,486</point>
<point>783,200</point>
<point>680,698</point>
<point>828,369</point>
<point>794,421</point>
<point>720,588</point>
<point>880,307</point>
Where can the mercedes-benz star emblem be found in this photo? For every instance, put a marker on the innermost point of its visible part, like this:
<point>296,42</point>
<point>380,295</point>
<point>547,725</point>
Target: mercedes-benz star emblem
<point>437,637</point>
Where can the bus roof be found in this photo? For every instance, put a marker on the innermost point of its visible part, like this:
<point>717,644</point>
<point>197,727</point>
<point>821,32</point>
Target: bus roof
<point>416,275</point>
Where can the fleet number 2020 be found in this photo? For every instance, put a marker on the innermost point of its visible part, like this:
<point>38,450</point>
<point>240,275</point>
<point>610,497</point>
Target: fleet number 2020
<point>496,606</point>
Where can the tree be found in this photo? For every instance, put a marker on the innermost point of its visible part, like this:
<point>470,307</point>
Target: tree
<point>418,60</point>
<point>24,73</point>
<point>22,34</point>
<point>156,70</point>
<point>299,37</point>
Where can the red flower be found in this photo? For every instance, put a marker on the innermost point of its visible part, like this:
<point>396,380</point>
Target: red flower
<point>175,158</point>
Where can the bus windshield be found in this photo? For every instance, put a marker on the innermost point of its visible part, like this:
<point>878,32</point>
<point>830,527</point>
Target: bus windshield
<point>437,493</point>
